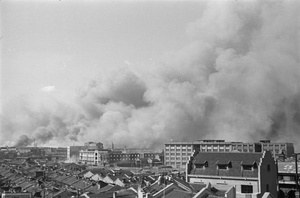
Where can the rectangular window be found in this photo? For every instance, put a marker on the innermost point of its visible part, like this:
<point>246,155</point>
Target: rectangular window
<point>247,188</point>
<point>199,166</point>
<point>247,167</point>
<point>222,166</point>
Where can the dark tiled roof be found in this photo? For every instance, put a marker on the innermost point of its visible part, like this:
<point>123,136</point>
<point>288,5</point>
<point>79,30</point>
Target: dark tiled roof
<point>179,194</point>
<point>198,187</point>
<point>61,178</point>
<point>70,180</point>
<point>96,190</point>
<point>81,184</point>
<point>236,159</point>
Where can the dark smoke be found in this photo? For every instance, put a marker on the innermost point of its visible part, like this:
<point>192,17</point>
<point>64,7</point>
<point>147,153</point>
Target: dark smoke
<point>238,80</point>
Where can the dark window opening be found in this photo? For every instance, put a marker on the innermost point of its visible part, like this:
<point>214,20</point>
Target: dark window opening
<point>221,166</point>
<point>269,167</point>
<point>247,189</point>
<point>247,167</point>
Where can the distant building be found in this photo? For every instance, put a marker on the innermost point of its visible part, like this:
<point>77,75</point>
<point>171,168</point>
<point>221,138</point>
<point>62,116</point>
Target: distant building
<point>176,154</point>
<point>73,152</point>
<point>93,145</point>
<point>94,157</point>
<point>252,174</point>
<point>287,175</point>
<point>57,153</point>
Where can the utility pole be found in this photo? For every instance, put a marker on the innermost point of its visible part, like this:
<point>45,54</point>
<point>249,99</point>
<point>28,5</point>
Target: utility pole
<point>296,164</point>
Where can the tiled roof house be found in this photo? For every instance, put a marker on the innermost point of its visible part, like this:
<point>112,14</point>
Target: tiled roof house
<point>251,173</point>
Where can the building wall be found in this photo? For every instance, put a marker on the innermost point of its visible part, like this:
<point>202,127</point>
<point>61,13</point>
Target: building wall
<point>265,181</point>
<point>277,148</point>
<point>233,182</point>
<point>268,174</point>
<point>176,154</point>
<point>95,157</point>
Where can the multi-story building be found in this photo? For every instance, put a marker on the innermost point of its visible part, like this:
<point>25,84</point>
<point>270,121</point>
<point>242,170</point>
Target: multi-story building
<point>251,174</point>
<point>287,174</point>
<point>94,157</point>
<point>278,148</point>
<point>73,152</point>
<point>59,153</point>
<point>177,153</point>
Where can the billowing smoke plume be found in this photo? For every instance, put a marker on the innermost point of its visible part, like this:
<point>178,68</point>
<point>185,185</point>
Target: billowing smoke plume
<point>238,80</point>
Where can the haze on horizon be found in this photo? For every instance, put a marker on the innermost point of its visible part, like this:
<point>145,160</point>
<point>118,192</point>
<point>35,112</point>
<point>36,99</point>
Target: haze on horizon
<point>144,72</point>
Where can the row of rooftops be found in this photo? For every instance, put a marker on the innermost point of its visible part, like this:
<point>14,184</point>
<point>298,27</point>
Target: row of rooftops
<point>60,182</point>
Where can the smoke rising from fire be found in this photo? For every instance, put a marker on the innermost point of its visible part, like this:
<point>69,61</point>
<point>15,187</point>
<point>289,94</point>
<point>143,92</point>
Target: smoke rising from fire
<point>238,80</point>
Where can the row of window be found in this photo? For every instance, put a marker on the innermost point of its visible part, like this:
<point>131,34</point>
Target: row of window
<point>177,158</point>
<point>178,154</point>
<point>177,163</point>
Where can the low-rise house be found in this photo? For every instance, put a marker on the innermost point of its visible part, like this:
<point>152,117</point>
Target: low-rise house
<point>252,174</point>
<point>97,177</point>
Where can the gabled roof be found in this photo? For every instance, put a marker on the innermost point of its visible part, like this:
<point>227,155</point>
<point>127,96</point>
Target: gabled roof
<point>96,177</point>
<point>175,193</point>
<point>60,178</point>
<point>88,174</point>
<point>81,184</point>
<point>96,189</point>
<point>183,184</point>
<point>70,180</point>
<point>235,159</point>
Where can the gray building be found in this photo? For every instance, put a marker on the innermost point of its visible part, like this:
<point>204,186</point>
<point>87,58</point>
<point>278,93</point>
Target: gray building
<point>176,154</point>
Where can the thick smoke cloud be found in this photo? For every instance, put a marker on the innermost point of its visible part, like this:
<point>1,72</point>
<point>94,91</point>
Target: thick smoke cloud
<point>238,80</point>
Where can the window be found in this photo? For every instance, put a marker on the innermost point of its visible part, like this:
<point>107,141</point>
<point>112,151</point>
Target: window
<point>269,167</point>
<point>247,167</point>
<point>199,165</point>
<point>267,187</point>
<point>247,188</point>
<point>222,166</point>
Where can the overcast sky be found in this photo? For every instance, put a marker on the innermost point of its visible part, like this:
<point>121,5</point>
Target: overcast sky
<point>59,45</point>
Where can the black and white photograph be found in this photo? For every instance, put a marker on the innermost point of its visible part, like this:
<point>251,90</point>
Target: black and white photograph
<point>149,98</point>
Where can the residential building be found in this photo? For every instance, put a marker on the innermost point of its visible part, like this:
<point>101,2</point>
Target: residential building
<point>252,174</point>
<point>176,154</point>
